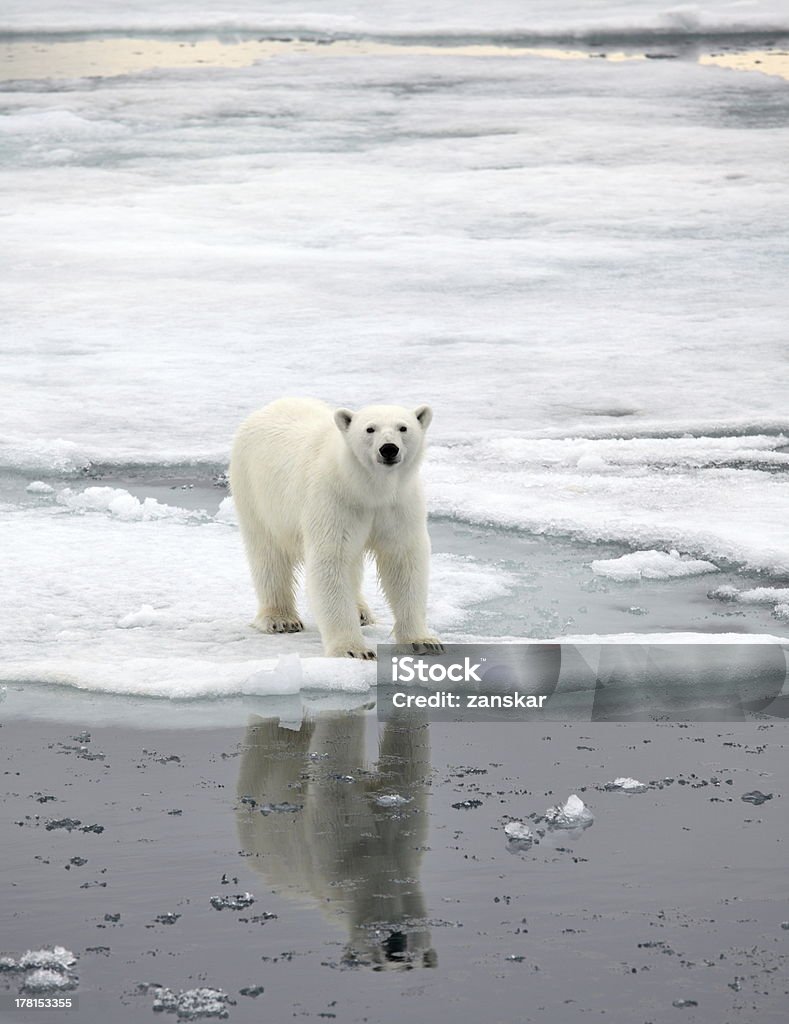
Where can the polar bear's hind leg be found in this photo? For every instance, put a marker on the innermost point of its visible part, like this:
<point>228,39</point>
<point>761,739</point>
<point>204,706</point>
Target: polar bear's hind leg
<point>273,573</point>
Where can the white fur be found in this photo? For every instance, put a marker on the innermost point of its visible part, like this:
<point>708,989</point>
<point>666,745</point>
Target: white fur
<point>311,487</point>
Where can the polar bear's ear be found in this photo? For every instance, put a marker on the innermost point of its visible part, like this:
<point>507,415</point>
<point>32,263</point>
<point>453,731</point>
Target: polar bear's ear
<point>425,415</point>
<point>342,418</point>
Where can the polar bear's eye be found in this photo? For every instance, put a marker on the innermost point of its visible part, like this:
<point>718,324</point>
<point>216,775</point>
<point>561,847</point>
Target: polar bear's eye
<point>403,429</point>
<point>371,430</point>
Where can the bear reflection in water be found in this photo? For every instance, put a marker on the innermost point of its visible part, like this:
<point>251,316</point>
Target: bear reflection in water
<point>352,847</point>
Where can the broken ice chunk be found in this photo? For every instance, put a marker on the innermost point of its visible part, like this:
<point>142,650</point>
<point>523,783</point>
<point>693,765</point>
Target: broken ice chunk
<point>519,832</point>
<point>391,800</point>
<point>626,785</point>
<point>573,813</point>
<point>44,979</point>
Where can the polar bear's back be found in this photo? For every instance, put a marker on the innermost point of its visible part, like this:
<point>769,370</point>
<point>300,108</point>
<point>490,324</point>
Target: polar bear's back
<point>275,453</point>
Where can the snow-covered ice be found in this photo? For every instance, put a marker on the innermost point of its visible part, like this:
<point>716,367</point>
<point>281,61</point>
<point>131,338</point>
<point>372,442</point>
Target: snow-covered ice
<point>162,607</point>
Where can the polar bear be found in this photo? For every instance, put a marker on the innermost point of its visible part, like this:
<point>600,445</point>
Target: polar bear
<point>321,487</point>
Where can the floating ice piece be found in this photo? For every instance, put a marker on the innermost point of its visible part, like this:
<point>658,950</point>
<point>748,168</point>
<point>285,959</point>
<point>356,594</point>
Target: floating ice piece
<point>283,808</point>
<point>285,677</point>
<point>39,487</point>
<point>781,612</point>
<point>573,813</point>
<point>226,513</point>
<point>756,797</point>
<point>58,958</point>
<point>756,595</point>
<point>392,800</point>
<point>122,505</point>
<point>651,565</point>
<point>518,831</point>
<point>192,1004</point>
<point>627,785</point>
<point>238,902</point>
<point>44,979</point>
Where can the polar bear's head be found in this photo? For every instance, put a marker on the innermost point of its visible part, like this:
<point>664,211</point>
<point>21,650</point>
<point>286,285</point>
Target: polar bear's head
<point>384,437</point>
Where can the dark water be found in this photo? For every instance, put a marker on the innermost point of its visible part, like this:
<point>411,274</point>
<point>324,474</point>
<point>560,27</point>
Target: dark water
<point>422,911</point>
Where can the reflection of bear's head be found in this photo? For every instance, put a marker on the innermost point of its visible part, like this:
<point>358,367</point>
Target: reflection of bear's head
<point>385,438</point>
<point>353,848</point>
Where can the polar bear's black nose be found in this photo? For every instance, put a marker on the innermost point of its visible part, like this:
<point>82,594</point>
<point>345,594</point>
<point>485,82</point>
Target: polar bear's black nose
<point>389,452</point>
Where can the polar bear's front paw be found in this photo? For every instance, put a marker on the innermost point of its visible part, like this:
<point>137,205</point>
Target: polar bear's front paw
<point>278,624</point>
<point>351,650</point>
<point>361,652</point>
<point>427,645</point>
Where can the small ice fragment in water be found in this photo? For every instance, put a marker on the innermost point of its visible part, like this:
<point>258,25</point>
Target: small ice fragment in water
<point>56,959</point>
<point>391,800</point>
<point>572,814</point>
<point>192,1004</point>
<point>238,902</point>
<point>682,1003</point>
<point>39,487</point>
<point>651,565</point>
<point>467,805</point>
<point>518,831</point>
<point>785,925</point>
<point>168,918</point>
<point>253,991</point>
<point>43,979</point>
<point>283,808</point>
<point>7,963</point>
<point>726,593</point>
<point>626,785</point>
<point>756,797</point>
<point>68,823</point>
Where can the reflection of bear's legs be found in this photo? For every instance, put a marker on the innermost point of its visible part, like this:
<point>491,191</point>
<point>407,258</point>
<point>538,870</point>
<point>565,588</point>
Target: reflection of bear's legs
<point>273,574</point>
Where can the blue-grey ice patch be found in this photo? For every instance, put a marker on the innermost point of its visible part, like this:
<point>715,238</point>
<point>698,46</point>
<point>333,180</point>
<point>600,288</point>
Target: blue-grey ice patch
<point>626,785</point>
<point>39,487</point>
<point>573,813</point>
